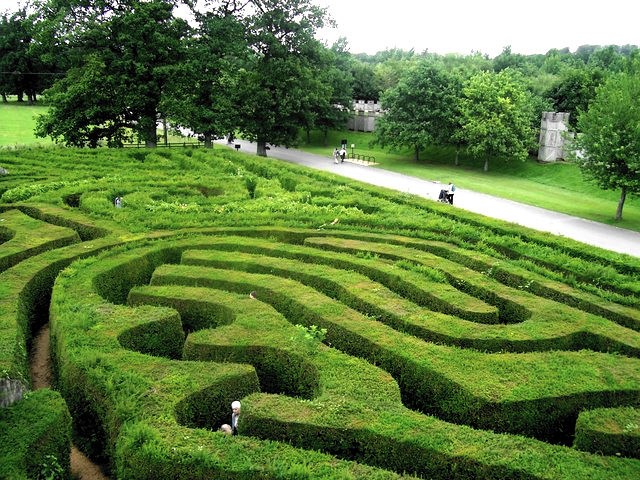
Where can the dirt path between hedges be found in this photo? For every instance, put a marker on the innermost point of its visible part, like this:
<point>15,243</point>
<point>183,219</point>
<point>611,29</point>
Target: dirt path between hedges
<point>40,366</point>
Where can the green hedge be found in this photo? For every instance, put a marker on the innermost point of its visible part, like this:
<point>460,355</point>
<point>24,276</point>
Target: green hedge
<point>24,244</point>
<point>35,437</point>
<point>612,431</point>
<point>108,387</point>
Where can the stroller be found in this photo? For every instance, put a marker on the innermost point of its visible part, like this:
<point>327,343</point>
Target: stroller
<point>445,196</point>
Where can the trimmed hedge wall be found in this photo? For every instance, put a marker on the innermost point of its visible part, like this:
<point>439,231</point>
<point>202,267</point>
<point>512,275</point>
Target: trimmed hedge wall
<point>612,431</point>
<point>35,437</point>
<point>350,333</point>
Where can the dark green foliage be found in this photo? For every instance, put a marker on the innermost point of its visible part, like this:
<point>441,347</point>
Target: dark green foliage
<point>251,183</point>
<point>162,338</point>
<point>288,183</point>
<point>608,149</point>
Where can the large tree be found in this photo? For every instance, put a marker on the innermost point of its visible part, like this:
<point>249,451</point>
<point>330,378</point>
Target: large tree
<point>122,54</point>
<point>21,69</point>
<point>330,103</point>
<point>576,88</point>
<point>203,95</point>
<point>283,72</point>
<point>608,149</point>
<point>497,117</point>
<point>420,110</point>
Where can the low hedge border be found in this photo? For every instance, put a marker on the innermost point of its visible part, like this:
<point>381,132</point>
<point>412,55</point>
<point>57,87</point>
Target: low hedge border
<point>609,431</point>
<point>24,304</point>
<point>575,326</point>
<point>35,437</point>
<point>137,399</point>
<point>439,297</point>
<point>89,324</point>
<point>369,299</point>
<point>514,276</point>
<point>624,264</point>
<point>66,219</point>
<point>354,419</point>
<point>518,249</point>
<point>25,244</point>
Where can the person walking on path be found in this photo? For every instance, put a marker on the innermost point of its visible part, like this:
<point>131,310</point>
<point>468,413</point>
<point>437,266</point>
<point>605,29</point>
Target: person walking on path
<point>343,154</point>
<point>451,190</point>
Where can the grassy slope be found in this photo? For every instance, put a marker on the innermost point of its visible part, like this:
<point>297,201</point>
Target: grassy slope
<point>557,187</point>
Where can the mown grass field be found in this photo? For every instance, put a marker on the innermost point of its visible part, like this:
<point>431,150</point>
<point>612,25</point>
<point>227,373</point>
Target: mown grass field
<point>17,121</point>
<point>451,345</point>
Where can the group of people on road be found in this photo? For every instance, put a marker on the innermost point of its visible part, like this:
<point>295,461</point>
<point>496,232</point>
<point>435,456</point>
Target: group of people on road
<point>339,155</point>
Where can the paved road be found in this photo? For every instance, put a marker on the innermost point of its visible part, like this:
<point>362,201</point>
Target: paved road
<point>586,231</point>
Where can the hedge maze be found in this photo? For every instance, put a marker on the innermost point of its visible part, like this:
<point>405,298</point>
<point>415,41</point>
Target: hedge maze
<point>466,355</point>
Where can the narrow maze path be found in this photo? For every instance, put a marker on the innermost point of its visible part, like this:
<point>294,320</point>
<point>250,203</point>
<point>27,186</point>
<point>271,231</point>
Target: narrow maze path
<point>40,368</point>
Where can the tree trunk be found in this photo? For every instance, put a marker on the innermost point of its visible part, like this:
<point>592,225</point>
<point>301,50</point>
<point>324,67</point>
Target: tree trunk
<point>148,130</point>
<point>457,161</point>
<point>165,131</point>
<point>325,138</point>
<point>623,196</point>
<point>208,143</point>
<point>416,154</point>
<point>4,98</point>
<point>262,148</point>
<point>486,165</point>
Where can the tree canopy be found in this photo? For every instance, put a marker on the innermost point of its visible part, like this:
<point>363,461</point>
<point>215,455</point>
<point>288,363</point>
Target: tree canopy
<point>282,74</point>
<point>420,110</point>
<point>497,117</point>
<point>608,148</point>
<point>254,67</point>
<point>122,55</point>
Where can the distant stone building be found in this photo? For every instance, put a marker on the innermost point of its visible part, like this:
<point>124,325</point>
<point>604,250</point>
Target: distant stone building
<point>553,136</point>
<point>365,113</point>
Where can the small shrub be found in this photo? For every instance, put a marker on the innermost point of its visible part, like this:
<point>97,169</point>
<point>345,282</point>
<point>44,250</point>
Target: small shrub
<point>51,469</point>
<point>251,183</point>
<point>311,336</point>
<point>288,183</point>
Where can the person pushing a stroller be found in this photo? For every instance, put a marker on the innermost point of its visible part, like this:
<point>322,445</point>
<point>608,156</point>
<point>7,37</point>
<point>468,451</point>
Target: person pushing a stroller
<point>446,194</point>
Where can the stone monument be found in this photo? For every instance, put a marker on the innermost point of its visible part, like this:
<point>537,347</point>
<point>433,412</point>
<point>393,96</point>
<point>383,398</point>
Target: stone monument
<point>553,136</point>
<point>364,116</point>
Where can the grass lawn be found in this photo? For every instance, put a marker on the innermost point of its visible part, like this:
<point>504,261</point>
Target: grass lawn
<point>555,186</point>
<point>17,121</point>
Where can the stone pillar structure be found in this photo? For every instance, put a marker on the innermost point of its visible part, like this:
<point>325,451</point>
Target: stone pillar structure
<point>552,138</point>
<point>364,116</point>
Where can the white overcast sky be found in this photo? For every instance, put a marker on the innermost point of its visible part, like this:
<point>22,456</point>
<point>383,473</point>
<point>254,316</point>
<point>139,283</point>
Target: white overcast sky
<point>486,26</point>
<point>463,26</point>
